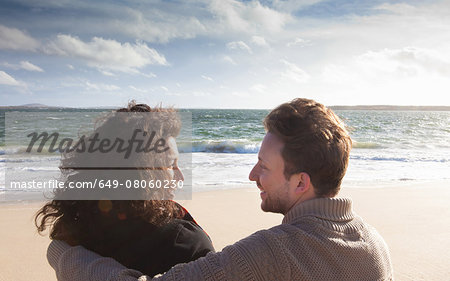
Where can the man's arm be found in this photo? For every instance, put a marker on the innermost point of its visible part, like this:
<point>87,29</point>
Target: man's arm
<point>80,264</point>
<point>248,259</point>
<point>77,263</point>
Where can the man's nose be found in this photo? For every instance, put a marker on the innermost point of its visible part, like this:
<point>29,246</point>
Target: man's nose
<point>253,175</point>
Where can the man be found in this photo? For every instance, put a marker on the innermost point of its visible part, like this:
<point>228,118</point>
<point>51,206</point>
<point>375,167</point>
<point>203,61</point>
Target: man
<point>301,163</point>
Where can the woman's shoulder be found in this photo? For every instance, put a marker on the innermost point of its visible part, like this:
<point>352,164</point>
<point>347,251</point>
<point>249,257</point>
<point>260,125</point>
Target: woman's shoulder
<point>190,241</point>
<point>155,249</point>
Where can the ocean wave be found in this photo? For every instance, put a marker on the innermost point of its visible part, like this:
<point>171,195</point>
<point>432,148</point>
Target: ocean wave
<point>30,159</point>
<point>39,169</point>
<point>366,145</point>
<point>399,159</point>
<point>240,147</point>
<point>11,150</point>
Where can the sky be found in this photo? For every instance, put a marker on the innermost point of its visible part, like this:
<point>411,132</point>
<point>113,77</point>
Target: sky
<point>224,53</point>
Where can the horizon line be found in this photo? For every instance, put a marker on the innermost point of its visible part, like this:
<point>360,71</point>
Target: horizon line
<point>338,107</point>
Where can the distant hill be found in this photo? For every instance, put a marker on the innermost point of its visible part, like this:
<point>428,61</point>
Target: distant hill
<point>43,106</point>
<point>34,105</point>
<point>30,105</point>
<point>391,107</point>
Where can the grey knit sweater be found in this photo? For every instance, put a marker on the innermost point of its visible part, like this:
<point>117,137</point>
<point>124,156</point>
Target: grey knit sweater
<point>320,239</point>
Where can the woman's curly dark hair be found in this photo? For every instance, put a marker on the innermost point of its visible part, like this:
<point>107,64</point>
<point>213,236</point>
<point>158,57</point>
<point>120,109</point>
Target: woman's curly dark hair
<point>78,222</point>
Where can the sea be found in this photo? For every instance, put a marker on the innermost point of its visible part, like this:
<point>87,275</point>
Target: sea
<point>389,147</point>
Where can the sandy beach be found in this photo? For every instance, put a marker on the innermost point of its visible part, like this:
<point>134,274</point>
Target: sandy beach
<point>414,219</point>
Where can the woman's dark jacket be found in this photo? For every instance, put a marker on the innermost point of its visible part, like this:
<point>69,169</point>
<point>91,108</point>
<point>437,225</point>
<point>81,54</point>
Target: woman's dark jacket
<point>153,249</point>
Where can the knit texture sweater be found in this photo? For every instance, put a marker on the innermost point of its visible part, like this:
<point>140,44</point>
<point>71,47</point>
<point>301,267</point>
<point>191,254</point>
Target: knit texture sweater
<point>319,239</point>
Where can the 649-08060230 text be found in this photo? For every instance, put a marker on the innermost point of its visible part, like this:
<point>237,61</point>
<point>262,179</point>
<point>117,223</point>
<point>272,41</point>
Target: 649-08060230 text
<point>101,184</point>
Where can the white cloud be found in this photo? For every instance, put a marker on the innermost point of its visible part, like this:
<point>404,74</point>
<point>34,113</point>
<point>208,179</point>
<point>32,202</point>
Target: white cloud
<point>106,73</point>
<point>70,66</point>
<point>292,5</point>
<point>106,53</point>
<point>260,88</point>
<point>390,64</point>
<point>248,17</point>
<point>101,87</point>
<point>241,94</point>
<point>138,89</point>
<point>294,73</point>
<point>239,45</point>
<point>411,60</point>
<point>390,26</point>
<point>157,25</point>
<point>148,75</point>
<point>6,79</point>
<point>408,75</point>
<point>201,94</point>
<point>165,89</point>
<point>207,78</point>
<point>400,8</point>
<point>259,41</point>
<point>30,67</point>
<point>26,65</point>
<point>15,39</point>
<point>173,94</point>
<point>161,21</point>
<point>298,42</point>
<point>229,60</point>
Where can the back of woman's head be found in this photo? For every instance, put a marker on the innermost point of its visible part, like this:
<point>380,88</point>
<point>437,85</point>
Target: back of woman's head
<point>73,220</point>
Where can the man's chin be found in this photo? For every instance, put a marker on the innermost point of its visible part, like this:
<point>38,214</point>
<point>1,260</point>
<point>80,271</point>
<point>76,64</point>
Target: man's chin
<point>270,209</point>
<point>265,208</point>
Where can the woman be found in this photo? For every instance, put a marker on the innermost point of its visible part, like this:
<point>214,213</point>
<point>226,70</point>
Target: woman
<point>149,235</point>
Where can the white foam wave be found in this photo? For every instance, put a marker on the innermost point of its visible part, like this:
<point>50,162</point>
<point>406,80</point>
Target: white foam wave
<point>365,145</point>
<point>39,169</point>
<point>399,159</point>
<point>229,146</point>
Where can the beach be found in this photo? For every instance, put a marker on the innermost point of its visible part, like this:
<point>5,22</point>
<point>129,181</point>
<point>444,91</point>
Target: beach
<point>413,218</point>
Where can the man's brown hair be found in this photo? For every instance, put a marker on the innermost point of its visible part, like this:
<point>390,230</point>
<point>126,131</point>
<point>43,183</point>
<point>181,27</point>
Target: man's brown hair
<point>315,142</point>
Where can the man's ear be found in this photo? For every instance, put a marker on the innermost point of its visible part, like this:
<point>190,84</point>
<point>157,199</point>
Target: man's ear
<point>303,182</point>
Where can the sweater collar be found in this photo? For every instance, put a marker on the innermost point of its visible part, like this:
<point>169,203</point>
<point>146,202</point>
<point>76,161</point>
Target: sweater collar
<point>334,209</point>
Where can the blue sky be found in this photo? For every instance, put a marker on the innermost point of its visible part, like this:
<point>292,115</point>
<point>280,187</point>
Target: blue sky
<point>224,53</point>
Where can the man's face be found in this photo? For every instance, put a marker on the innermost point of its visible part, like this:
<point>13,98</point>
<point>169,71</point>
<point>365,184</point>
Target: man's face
<point>269,177</point>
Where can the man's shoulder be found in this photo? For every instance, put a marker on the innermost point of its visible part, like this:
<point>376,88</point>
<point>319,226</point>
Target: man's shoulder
<point>310,228</point>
